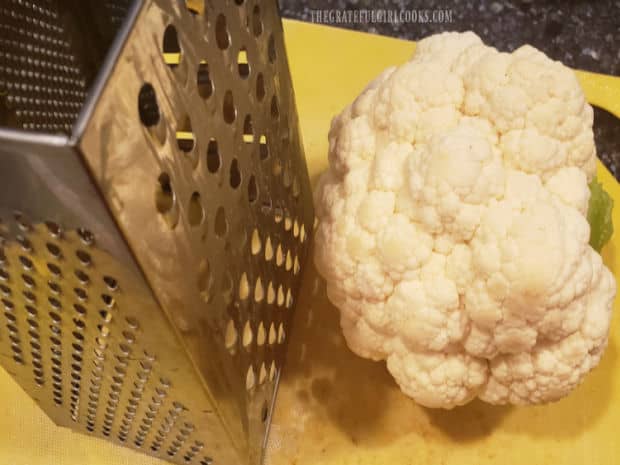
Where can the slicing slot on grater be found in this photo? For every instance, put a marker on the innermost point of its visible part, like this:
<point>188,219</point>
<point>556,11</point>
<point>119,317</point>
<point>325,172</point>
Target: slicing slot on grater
<point>152,235</point>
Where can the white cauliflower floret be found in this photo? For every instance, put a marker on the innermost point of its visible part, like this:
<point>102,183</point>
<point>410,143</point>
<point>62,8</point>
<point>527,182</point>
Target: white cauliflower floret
<point>452,230</point>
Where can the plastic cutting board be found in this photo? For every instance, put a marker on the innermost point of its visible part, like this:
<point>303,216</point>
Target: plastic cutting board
<point>335,408</point>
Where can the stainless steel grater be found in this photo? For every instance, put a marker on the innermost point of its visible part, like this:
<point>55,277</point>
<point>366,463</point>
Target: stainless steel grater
<point>155,213</point>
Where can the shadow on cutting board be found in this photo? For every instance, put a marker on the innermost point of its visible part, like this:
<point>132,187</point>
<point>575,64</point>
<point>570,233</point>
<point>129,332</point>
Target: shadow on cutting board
<point>360,398</point>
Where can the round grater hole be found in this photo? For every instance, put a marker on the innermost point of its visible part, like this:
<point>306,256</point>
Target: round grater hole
<point>22,221</point>
<point>229,110</point>
<point>222,38</point>
<point>221,223</point>
<point>111,283</point>
<point>213,156</point>
<point>55,270</point>
<point>195,211</point>
<point>5,290</point>
<point>243,64</point>
<point>82,277</point>
<point>84,258</point>
<point>271,49</point>
<point>54,287</point>
<point>206,461</point>
<point>4,276</point>
<point>25,244</point>
<point>260,87</point>
<point>235,174</point>
<point>171,47</point>
<point>252,189</point>
<point>30,297</point>
<point>79,309</point>
<point>257,24</point>
<point>148,109</point>
<point>203,80</point>
<point>26,263</point>
<point>53,229</point>
<point>87,237</point>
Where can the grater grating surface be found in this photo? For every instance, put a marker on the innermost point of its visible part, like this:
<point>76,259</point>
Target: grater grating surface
<point>151,261</point>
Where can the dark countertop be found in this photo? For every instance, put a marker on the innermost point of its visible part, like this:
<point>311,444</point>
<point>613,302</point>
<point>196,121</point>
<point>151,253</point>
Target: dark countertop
<point>581,34</point>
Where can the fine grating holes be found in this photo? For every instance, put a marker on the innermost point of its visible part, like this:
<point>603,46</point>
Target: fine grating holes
<point>260,87</point>
<point>221,223</point>
<point>222,37</point>
<point>271,49</point>
<point>148,109</point>
<point>243,64</point>
<point>84,258</point>
<point>213,156</point>
<point>257,24</point>
<point>252,189</point>
<point>171,47</point>
<point>229,110</point>
<point>185,136</point>
<point>203,80</point>
<point>235,174</point>
<point>195,212</point>
<point>87,237</point>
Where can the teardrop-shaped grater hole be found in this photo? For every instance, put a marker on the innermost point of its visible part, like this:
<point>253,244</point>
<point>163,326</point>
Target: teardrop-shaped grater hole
<point>222,37</point>
<point>263,149</point>
<point>195,212</point>
<point>221,223</point>
<point>243,64</point>
<point>248,130</point>
<point>252,189</point>
<point>185,136</point>
<point>235,174</point>
<point>203,80</point>
<point>214,160</point>
<point>148,108</point>
<point>271,49</point>
<point>257,24</point>
<point>275,109</point>
<point>256,244</point>
<point>229,111</point>
<point>171,47</point>
<point>248,335</point>
<point>260,87</point>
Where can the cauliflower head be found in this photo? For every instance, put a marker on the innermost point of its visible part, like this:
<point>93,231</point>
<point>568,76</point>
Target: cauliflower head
<point>452,226</point>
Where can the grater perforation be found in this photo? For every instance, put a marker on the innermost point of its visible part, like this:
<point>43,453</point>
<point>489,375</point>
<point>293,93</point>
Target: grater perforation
<point>150,263</point>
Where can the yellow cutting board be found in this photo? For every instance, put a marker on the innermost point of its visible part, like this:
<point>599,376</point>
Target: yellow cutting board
<point>335,408</point>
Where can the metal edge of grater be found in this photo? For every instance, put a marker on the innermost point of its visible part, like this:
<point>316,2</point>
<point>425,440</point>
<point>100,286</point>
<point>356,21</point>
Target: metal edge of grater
<point>150,261</point>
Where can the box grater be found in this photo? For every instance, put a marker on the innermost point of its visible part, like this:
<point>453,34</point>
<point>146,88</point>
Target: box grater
<point>155,213</point>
